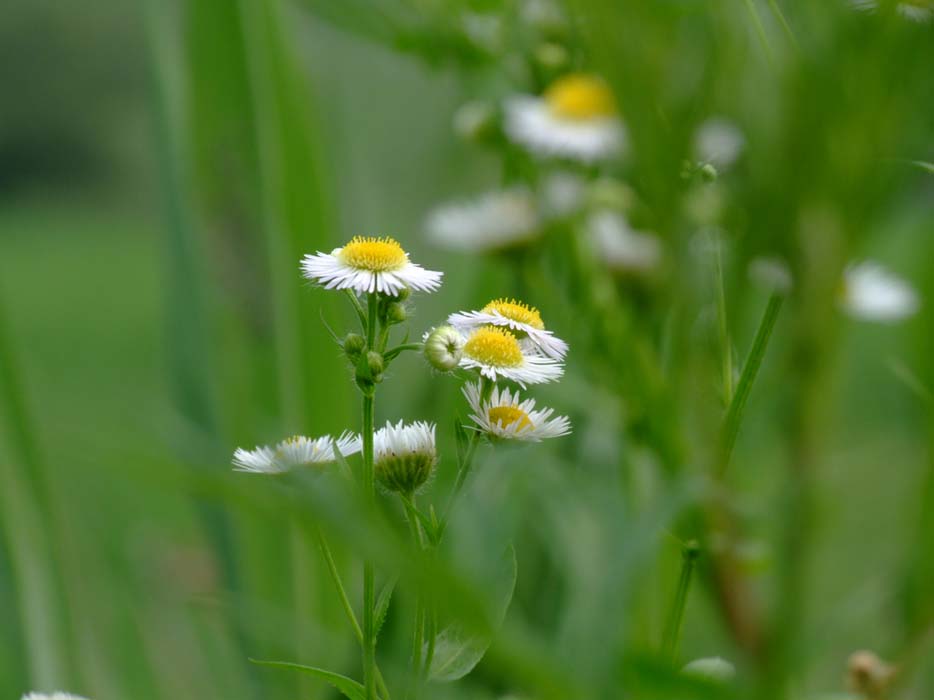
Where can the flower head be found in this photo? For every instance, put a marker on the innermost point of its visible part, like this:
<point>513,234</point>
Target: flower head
<point>496,352</point>
<point>444,347</point>
<point>872,293</point>
<point>504,416</point>
<point>575,118</point>
<point>368,264</point>
<point>495,221</point>
<point>58,695</point>
<point>404,455</point>
<point>297,451</point>
<point>523,320</point>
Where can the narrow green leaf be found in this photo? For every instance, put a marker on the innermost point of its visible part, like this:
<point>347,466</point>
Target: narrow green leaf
<point>348,687</point>
<point>382,604</point>
<point>458,651</point>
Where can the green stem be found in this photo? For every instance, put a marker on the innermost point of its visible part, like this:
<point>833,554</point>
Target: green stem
<point>419,625</point>
<point>392,353</point>
<point>777,11</point>
<point>672,637</point>
<point>361,315</point>
<point>725,348</point>
<point>760,30</point>
<point>369,491</point>
<point>734,414</point>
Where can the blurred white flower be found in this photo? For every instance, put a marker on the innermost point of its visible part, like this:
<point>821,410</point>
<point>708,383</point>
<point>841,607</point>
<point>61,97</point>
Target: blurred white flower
<point>58,695</point>
<point>718,142</point>
<point>297,451</point>
<point>915,11</point>
<point>497,353</point>
<point>368,264</point>
<point>523,320</point>
<point>712,669</point>
<point>771,274</point>
<point>504,416</point>
<point>495,221</point>
<point>575,118</point>
<point>562,194</point>
<point>872,293</point>
<point>619,246</point>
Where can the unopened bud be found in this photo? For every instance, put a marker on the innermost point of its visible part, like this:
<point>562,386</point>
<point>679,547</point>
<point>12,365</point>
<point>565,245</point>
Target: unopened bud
<point>551,56</point>
<point>443,348</point>
<point>395,312</point>
<point>375,365</point>
<point>354,344</point>
<point>405,456</point>
<point>708,172</point>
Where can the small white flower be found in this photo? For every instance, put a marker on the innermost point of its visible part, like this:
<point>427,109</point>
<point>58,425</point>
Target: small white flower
<point>494,221</point>
<point>718,142</point>
<point>404,455</point>
<point>619,246</point>
<point>58,695</point>
<point>562,194</point>
<point>297,451</point>
<point>872,293</point>
<point>575,118</point>
<point>523,320</point>
<point>370,265</point>
<point>497,353</point>
<point>504,416</point>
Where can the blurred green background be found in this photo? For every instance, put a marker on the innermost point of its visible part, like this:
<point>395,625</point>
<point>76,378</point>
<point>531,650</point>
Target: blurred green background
<point>163,167</point>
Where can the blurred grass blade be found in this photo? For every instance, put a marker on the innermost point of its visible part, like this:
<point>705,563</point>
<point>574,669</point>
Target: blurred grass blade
<point>25,522</point>
<point>347,686</point>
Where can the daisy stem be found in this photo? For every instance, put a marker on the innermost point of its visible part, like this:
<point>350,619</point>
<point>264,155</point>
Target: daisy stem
<point>734,414</point>
<point>408,500</point>
<point>689,554</point>
<point>467,463</point>
<point>725,347</point>
<point>369,491</point>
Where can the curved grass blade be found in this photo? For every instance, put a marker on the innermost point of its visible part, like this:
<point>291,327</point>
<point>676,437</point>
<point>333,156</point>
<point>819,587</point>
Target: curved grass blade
<point>347,687</point>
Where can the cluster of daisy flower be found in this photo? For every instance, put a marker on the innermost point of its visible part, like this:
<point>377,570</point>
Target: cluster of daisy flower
<point>501,344</point>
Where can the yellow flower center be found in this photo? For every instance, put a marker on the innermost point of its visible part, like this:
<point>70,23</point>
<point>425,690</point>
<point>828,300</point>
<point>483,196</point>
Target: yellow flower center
<point>508,415</point>
<point>580,97</point>
<point>373,254</point>
<point>516,311</point>
<point>494,346</point>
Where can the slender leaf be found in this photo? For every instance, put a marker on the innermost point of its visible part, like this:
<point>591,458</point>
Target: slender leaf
<point>348,687</point>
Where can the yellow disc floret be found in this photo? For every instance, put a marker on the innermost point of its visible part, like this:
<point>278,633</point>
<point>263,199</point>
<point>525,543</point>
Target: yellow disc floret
<point>516,311</point>
<point>509,415</point>
<point>580,97</point>
<point>373,254</point>
<point>493,346</point>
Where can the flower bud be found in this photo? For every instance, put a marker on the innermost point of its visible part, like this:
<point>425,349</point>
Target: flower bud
<point>375,365</point>
<point>552,56</point>
<point>395,312</point>
<point>708,172</point>
<point>354,345</point>
<point>443,348</point>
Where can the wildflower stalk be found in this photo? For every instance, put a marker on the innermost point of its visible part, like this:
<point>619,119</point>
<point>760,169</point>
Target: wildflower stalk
<point>418,633</point>
<point>725,347</point>
<point>369,491</point>
<point>672,635</point>
<point>734,414</point>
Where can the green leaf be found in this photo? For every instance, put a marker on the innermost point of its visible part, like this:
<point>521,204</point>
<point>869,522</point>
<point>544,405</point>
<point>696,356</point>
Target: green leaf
<point>929,167</point>
<point>348,687</point>
<point>382,604</point>
<point>458,651</point>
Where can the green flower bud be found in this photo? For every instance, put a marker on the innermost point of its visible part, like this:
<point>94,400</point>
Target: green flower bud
<point>395,312</point>
<point>375,365</point>
<point>552,56</point>
<point>354,345</point>
<point>708,172</point>
<point>443,348</point>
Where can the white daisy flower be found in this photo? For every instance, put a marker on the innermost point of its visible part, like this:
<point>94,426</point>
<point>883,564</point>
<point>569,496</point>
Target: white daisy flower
<point>575,118</point>
<point>619,246</point>
<point>872,293</point>
<point>504,416</point>
<point>297,451</point>
<point>718,142</point>
<point>58,695</point>
<point>523,320</point>
<point>494,221</point>
<point>404,455</point>
<point>497,353</point>
<point>368,264</point>
<point>562,194</point>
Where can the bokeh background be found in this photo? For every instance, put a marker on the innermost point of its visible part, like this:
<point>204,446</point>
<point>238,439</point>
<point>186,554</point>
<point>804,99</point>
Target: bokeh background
<point>163,167</point>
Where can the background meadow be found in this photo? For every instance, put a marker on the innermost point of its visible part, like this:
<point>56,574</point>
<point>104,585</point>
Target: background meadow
<point>165,165</point>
